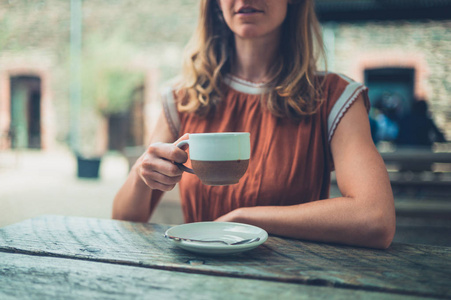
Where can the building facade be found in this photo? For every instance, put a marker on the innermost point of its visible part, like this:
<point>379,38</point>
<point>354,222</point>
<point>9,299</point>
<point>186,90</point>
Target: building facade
<point>414,56</point>
<point>36,107</point>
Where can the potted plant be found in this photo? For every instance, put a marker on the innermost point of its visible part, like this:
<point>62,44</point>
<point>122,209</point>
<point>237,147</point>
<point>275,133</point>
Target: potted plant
<point>107,85</point>
<point>91,145</point>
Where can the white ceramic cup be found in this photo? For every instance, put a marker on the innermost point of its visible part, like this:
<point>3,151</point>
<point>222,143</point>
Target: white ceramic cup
<point>219,158</point>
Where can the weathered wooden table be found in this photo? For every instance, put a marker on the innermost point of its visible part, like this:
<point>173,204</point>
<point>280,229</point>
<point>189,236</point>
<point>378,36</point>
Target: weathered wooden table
<point>71,257</point>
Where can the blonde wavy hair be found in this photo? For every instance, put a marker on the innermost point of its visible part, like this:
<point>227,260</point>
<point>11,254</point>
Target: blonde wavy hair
<point>211,51</point>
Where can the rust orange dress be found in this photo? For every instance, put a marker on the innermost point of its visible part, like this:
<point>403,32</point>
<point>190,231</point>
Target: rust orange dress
<point>290,161</point>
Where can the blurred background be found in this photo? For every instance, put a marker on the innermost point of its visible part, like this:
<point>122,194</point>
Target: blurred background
<point>79,86</point>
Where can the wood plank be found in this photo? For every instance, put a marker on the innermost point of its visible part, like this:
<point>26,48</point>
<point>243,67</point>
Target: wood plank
<point>408,269</point>
<point>416,156</point>
<point>37,277</point>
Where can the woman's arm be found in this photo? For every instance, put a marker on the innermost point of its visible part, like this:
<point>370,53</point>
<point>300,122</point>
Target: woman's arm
<point>364,216</point>
<point>151,175</point>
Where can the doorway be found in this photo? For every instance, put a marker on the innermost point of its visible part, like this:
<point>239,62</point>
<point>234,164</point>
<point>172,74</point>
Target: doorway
<point>25,126</point>
<point>126,129</point>
<point>391,86</point>
<point>391,92</point>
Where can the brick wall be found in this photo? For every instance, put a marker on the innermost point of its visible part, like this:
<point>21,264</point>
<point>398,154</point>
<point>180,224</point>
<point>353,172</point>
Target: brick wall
<point>34,39</point>
<point>424,46</point>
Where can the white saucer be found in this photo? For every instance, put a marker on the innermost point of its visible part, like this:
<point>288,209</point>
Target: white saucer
<point>226,231</point>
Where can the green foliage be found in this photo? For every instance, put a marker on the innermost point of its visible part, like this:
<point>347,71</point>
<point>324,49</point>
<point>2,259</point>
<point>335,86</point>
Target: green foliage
<point>109,76</point>
<point>5,32</point>
<point>110,89</point>
<point>108,80</point>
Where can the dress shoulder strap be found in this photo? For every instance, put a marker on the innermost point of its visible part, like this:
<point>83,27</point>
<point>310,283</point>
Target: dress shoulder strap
<point>351,91</point>
<point>170,111</point>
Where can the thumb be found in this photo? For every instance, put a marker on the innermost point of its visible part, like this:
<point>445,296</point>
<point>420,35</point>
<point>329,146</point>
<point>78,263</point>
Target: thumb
<point>182,138</point>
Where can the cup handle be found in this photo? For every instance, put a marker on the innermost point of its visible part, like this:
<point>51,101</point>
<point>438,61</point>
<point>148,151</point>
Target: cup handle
<point>182,166</point>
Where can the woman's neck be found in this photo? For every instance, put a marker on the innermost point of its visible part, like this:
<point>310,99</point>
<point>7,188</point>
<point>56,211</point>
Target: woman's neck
<point>254,59</point>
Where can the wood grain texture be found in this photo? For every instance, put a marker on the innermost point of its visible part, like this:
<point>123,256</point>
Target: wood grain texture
<point>403,269</point>
<point>37,277</point>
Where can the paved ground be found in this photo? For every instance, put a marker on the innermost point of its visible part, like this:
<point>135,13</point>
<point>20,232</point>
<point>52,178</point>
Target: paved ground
<point>35,183</point>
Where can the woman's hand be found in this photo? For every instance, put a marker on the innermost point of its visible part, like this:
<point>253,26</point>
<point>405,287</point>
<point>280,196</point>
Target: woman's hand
<point>363,216</point>
<point>156,168</point>
<point>151,175</point>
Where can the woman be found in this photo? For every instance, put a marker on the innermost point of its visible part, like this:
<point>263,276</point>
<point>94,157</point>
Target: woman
<point>250,66</point>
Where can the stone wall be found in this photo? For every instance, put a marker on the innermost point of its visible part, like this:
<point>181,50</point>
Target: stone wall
<point>424,46</point>
<point>34,39</point>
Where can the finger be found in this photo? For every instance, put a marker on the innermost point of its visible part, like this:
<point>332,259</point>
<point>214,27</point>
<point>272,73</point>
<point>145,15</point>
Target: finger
<point>152,163</point>
<point>157,181</point>
<point>167,151</point>
<point>182,138</point>
<point>161,178</point>
<point>158,186</point>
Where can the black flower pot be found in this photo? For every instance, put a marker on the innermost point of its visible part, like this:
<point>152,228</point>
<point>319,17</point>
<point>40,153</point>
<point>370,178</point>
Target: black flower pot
<point>88,167</point>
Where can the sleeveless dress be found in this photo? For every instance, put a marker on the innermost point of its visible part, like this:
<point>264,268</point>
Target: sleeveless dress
<point>290,162</point>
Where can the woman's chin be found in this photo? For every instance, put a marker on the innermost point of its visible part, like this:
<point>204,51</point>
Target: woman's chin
<point>254,32</point>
